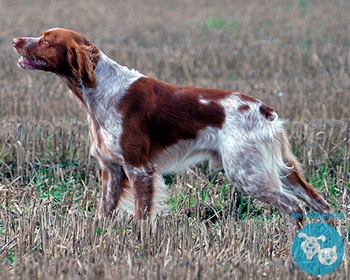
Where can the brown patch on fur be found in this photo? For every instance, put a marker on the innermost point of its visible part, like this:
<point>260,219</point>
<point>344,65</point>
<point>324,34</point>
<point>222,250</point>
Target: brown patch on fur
<point>158,114</point>
<point>243,108</point>
<point>247,97</point>
<point>83,60</point>
<point>305,191</point>
<point>296,179</point>
<point>266,111</point>
<point>316,200</point>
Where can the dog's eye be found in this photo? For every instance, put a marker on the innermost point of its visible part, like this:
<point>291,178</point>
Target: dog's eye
<point>45,41</point>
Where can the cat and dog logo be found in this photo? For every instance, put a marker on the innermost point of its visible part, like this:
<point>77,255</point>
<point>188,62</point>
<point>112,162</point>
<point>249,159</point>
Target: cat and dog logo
<point>318,248</point>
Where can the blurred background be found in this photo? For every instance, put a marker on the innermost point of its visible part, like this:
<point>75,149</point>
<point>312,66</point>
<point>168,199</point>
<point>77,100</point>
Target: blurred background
<point>293,55</point>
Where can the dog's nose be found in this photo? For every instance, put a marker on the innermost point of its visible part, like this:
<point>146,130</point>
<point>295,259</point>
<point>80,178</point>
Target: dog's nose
<point>17,41</point>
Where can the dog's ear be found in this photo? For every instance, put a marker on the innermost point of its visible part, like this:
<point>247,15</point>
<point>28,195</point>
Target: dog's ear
<point>302,234</point>
<point>82,60</point>
<point>321,237</point>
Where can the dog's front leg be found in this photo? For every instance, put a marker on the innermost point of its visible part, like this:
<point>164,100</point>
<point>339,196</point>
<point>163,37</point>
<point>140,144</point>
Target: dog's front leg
<point>112,186</point>
<point>141,181</point>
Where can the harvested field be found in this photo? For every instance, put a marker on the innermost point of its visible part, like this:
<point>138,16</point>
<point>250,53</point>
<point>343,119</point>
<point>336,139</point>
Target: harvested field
<point>293,55</point>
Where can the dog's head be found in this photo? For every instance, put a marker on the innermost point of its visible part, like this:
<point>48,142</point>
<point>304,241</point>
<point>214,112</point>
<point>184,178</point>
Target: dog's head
<point>64,52</point>
<point>310,246</point>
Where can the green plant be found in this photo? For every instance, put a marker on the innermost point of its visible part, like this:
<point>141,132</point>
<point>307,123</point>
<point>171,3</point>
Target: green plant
<point>212,22</point>
<point>50,186</point>
<point>321,177</point>
<point>220,23</point>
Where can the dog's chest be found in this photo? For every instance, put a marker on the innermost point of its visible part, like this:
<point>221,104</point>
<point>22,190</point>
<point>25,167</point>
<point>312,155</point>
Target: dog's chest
<point>105,134</point>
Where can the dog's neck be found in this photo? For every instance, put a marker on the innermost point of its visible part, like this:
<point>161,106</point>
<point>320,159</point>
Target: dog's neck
<point>113,80</point>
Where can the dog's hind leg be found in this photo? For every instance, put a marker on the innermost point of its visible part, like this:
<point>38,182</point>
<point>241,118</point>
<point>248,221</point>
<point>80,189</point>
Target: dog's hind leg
<point>254,172</point>
<point>296,184</point>
<point>293,181</point>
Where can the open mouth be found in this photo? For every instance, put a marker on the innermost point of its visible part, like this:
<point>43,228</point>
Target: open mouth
<point>32,64</point>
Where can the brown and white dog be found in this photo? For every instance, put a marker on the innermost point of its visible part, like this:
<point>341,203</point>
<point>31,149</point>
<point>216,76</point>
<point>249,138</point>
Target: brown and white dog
<point>141,127</point>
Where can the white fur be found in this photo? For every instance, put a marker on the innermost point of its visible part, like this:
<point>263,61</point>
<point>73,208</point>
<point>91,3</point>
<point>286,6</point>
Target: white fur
<point>113,81</point>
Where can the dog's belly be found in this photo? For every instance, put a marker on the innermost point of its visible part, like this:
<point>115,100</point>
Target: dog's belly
<point>186,153</point>
<point>172,160</point>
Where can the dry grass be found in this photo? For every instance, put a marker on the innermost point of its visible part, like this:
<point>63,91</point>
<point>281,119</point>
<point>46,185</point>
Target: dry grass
<point>49,198</point>
<point>261,49</point>
<point>294,55</point>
